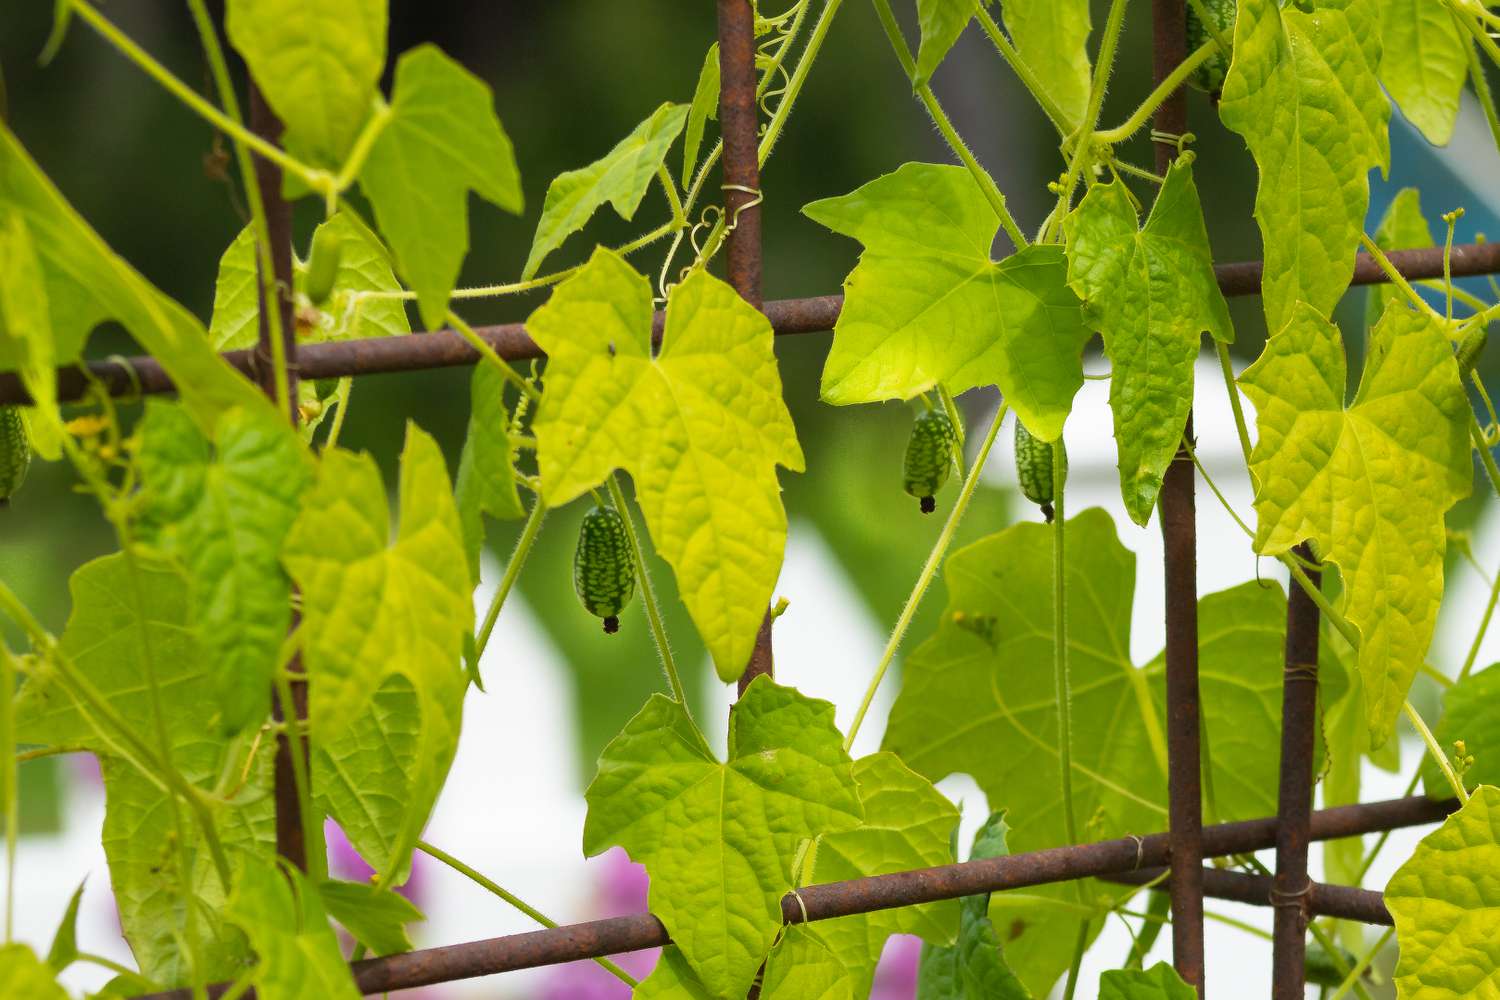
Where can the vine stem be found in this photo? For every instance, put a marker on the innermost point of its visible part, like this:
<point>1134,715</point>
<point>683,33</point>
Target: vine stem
<point>319,180</point>
<point>266,271</point>
<point>1481,84</point>
<point>1351,981</point>
<point>1330,948</point>
<point>1168,86</point>
<point>1435,751</point>
<point>955,141</point>
<point>1025,73</point>
<point>648,595</point>
<point>488,353</point>
<point>479,879</point>
<point>529,531</point>
<point>1485,457</point>
<point>1484,627</point>
<point>1397,278</point>
<point>929,570</point>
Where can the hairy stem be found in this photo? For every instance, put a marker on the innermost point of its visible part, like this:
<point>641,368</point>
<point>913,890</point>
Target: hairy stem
<point>529,531</point>
<point>1436,752</point>
<point>1025,74</point>
<point>1158,97</point>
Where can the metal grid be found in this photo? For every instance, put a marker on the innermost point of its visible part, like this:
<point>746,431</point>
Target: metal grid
<point>1179,853</point>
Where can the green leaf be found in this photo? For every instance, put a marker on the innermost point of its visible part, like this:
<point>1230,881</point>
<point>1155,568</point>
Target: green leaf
<point>926,305</point>
<point>318,66</point>
<point>280,912</point>
<point>221,508</point>
<point>619,177</point>
<point>64,950</point>
<point>1160,982</point>
<point>25,976</point>
<point>486,482</point>
<point>87,283</point>
<point>705,107</point>
<point>1401,227</point>
<point>26,333</point>
<point>974,967</point>
<point>1471,712</point>
<point>1423,64</point>
<point>1445,906</point>
<point>700,427</point>
<point>1302,91</point>
<point>1152,294</point>
<point>802,966</point>
<point>442,141</point>
<point>719,838</point>
<point>108,638</point>
<point>673,979</point>
<point>376,917</point>
<point>999,614</point>
<point>384,619</point>
<point>1052,37</point>
<point>941,22</point>
<point>1326,475</point>
<point>908,824</point>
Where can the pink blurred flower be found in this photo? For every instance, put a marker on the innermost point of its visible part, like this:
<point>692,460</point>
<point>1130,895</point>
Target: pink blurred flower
<point>344,862</point>
<point>896,975</point>
<point>620,889</point>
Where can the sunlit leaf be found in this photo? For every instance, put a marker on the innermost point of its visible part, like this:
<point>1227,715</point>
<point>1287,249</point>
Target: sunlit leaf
<point>376,917</point>
<point>705,107</point>
<point>1052,38</point>
<point>941,22</point>
<point>23,975</point>
<point>486,482</point>
<point>1423,63</point>
<point>1160,982</point>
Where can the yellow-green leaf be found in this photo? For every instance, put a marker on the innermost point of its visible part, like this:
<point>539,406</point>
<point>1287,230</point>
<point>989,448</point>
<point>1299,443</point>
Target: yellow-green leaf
<point>927,305</point>
<point>1402,227</point>
<point>486,482</point>
<point>1302,91</point>
<point>1052,38</point>
<point>1368,485</point>
<point>1152,294</point>
<point>1160,982</point>
<point>700,427</point>
<point>1424,61</point>
<point>941,22</point>
<point>298,955</point>
<point>26,977</point>
<point>719,839</point>
<point>26,333</point>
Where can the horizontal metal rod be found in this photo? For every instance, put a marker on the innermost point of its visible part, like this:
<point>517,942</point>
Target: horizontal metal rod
<point>1345,902</point>
<point>1120,857</point>
<point>447,349</point>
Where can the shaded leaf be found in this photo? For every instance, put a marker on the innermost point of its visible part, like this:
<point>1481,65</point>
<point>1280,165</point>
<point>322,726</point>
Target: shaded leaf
<point>1152,294</point>
<point>298,954</point>
<point>705,107</point>
<point>1160,982</point>
<point>700,427</point>
<point>26,333</point>
<point>719,838</point>
<point>443,140</point>
<point>927,305</point>
<point>486,482</point>
<point>1326,475</point>
<point>620,177</point>
<point>64,950</point>
<point>376,917</point>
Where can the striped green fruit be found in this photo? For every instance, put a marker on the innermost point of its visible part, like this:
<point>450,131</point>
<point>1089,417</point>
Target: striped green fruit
<point>1209,77</point>
<point>1034,469</point>
<point>603,572</point>
<point>15,452</point>
<point>929,456</point>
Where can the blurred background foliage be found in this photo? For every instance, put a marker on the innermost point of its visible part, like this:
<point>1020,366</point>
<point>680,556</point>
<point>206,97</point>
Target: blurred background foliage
<point>570,78</point>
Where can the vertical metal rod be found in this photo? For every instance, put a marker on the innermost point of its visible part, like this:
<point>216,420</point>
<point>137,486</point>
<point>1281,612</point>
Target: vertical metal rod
<point>740,123</point>
<point>290,842</point>
<point>1179,535</point>
<point>1299,720</point>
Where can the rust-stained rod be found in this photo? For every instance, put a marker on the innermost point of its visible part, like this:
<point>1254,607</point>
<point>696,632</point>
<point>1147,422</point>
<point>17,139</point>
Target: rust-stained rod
<point>739,121</point>
<point>446,349</point>
<point>290,841</point>
<point>1290,892</point>
<point>1180,570</point>
<point>1119,857</point>
<point>1322,900</point>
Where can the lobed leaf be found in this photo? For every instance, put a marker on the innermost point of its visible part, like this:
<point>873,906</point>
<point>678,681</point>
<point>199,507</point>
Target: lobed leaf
<point>442,141</point>
<point>1302,91</point>
<point>1152,294</point>
<point>1330,475</point>
<point>927,305</point>
<point>1445,907</point>
<point>318,66</point>
<point>620,177</point>
<point>221,508</point>
<point>719,839</point>
<point>700,427</point>
<point>385,623</point>
<point>376,917</point>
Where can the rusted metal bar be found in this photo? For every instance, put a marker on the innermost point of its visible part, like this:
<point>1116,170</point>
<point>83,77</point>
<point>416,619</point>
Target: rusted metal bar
<point>739,120</point>
<point>290,841</point>
<point>1299,724</point>
<point>1322,900</point>
<point>1180,563</point>
<point>1120,858</point>
<point>446,349</point>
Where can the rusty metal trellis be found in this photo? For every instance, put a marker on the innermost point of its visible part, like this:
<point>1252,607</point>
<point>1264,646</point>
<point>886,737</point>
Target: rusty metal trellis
<point>1173,859</point>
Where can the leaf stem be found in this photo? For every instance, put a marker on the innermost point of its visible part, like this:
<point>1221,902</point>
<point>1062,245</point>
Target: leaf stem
<point>1486,457</point>
<point>1025,73</point>
<point>381,115</point>
<point>1397,278</point>
<point>486,883</point>
<point>488,353</point>
<point>1233,390</point>
<point>950,407</point>
<point>1158,97</point>
<point>1436,752</point>
<point>648,595</point>
<point>1481,83</point>
<point>955,141</point>
<point>529,531</point>
<point>929,571</point>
